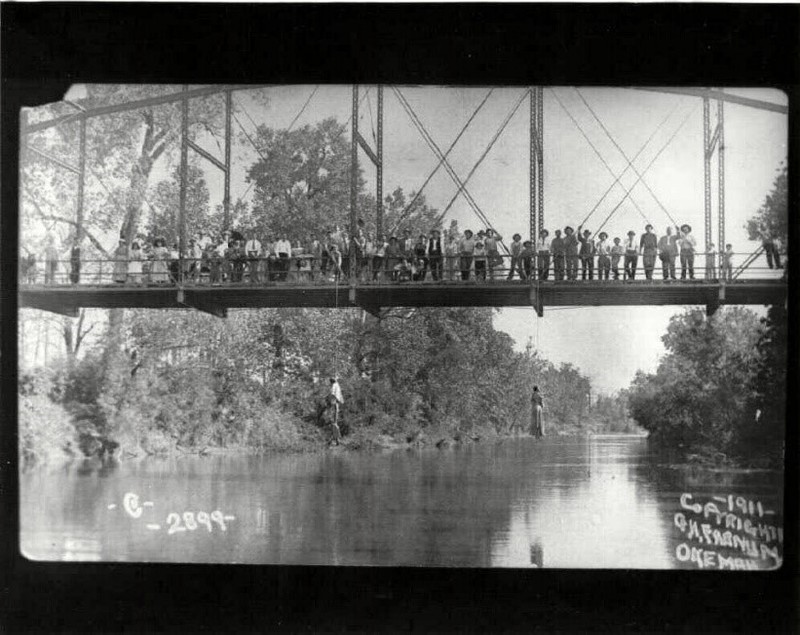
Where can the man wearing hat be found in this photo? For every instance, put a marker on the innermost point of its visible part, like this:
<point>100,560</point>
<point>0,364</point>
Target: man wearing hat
<point>435,253</point>
<point>617,251</point>
<point>667,252</point>
<point>466,249</point>
<point>543,251</point>
<point>686,244</point>
<point>557,251</point>
<point>631,256</point>
<point>648,246</point>
<point>571,252</point>
<point>586,253</point>
<point>603,257</point>
<point>515,248</point>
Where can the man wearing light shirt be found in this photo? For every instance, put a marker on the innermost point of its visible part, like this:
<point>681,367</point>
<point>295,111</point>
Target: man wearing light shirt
<point>631,256</point>
<point>283,248</point>
<point>603,257</point>
<point>543,253</point>
<point>466,247</point>
<point>252,249</point>
<point>516,249</point>
<point>687,244</point>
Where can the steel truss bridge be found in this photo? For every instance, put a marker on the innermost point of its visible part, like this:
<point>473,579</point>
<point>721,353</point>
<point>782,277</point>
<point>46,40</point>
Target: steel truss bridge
<point>67,299</point>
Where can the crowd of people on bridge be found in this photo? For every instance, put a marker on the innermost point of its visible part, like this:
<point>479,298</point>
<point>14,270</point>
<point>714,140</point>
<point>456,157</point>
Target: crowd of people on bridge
<point>409,256</point>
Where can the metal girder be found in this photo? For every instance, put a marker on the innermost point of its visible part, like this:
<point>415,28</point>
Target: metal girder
<point>206,155</point>
<point>708,93</point>
<point>706,173</point>
<point>194,301</point>
<point>379,167</point>
<point>365,146</point>
<point>536,161</point>
<point>81,179</point>
<point>354,165</point>
<point>141,103</point>
<point>721,180</point>
<point>226,200</point>
<point>183,169</point>
<point>710,144</point>
<point>57,161</point>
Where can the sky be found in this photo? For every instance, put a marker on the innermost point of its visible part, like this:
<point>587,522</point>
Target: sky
<point>607,343</point>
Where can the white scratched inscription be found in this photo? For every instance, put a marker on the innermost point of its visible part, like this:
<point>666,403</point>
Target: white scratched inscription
<point>727,532</point>
<point>176,523</point>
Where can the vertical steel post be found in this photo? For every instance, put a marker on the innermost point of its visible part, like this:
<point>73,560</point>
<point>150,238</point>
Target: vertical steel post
<point>533,165</point>
<point>379,167</point>
<point>354,165</point>
<point>226,201</point>
<point>707,171</point>
<point>183,176</point>
<point>81,180</point>
<point>721,184</point>
<point>540,163</point>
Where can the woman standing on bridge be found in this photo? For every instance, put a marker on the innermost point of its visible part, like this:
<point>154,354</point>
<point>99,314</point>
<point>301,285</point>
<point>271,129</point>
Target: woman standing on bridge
<point>121,262</point>
<point>537,421</point>
<point>159,271</point>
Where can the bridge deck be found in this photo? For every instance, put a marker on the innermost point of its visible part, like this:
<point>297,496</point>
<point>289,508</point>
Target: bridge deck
<point>217,299</point>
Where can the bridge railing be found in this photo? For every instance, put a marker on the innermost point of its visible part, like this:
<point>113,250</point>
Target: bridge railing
<point>304,269</point>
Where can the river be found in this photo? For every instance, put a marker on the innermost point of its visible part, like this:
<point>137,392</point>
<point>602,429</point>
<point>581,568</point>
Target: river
<point>597,501</point>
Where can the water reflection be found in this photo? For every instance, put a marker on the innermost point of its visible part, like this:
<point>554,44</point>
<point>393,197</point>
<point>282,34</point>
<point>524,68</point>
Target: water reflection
<point>593,502</point>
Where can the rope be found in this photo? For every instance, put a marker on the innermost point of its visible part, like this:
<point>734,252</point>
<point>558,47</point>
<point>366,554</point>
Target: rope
<point>635,156</point>
<point>658,154</point>
<point>624,156</point>
<point>438,165</point>
<point>596,151</point>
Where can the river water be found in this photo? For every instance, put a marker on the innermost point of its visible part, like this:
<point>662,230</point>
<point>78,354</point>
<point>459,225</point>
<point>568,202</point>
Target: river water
<point>598,501</point>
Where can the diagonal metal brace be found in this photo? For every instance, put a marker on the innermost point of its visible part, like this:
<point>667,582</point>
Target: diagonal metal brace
<point>365,147</point>
<point>206,155</point>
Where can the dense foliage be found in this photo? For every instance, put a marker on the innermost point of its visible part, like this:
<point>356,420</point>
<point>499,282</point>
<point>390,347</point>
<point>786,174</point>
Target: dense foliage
<point>718,373</point>
<point>773,215</point>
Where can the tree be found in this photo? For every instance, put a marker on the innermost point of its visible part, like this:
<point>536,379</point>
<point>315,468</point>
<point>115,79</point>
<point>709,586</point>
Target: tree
<point>302,180</point>
<point>699,398</point>
<point>773,215</point>
<point>164,218</point>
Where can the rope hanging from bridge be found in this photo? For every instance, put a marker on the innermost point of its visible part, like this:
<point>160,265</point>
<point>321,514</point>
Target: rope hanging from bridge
<point>625,156</point>
<point>416,196</point>
<point>653,160</point>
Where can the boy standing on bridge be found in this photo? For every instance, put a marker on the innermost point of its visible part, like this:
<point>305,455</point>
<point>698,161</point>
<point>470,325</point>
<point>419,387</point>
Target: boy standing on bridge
<point>727,263</point>
<point>631,256</point>
<point>617,251</point>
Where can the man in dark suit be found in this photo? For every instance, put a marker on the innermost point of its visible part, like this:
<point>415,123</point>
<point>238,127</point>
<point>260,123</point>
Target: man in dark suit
<point>435,254</point>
